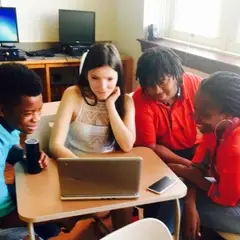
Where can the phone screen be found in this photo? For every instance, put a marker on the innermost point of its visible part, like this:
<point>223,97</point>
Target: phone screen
<point>162,185</point>
<point>210,179</point>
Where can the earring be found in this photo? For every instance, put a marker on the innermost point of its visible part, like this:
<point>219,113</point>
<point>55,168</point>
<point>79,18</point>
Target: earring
<point>218,124</point>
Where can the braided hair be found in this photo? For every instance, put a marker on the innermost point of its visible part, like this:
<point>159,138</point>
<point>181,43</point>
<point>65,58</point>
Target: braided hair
<point>224,90</point>
<point>157,63</point>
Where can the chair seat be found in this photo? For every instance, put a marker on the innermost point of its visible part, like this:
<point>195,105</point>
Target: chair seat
<point>143,229</point>
<point>229,236</point>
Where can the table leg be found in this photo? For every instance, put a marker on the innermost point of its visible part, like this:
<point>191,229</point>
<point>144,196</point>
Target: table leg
<point>177,219</point>
<point>31,231</point>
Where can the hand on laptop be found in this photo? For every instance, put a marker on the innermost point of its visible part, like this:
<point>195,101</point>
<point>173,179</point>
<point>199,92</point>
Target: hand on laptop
<point>44,159</point>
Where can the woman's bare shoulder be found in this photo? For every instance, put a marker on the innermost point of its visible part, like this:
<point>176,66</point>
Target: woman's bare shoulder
<point>73,91</point>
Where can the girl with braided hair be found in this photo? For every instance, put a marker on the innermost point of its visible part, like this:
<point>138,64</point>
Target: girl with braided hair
<point>215,204</point>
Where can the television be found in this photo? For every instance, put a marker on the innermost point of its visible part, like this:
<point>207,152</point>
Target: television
<point>76,27</point>
<point>8,25</point>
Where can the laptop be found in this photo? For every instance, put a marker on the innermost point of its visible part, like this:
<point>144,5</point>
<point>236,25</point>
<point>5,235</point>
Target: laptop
<point>99,177</point>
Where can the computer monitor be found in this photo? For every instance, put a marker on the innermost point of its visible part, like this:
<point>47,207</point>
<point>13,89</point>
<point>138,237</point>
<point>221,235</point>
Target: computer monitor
<point>76,27</point>
<point>8,25</point>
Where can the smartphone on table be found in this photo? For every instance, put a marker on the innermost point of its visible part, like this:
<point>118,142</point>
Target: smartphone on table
<point>162,185</point>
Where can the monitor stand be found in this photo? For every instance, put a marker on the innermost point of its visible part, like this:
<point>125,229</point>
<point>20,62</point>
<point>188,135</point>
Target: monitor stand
<point>8,45</point>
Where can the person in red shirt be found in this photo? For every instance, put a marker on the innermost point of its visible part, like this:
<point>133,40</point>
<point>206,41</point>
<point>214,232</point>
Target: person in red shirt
<point>164,106</point>
<point>164,112</point>
<point>215,204</point>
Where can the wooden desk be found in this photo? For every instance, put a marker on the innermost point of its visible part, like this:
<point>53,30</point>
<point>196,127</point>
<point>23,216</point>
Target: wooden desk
<point>61,61</point>
<point>38,196</point>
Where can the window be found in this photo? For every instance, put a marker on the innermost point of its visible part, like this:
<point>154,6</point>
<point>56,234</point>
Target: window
<point>233,45</point>
<point>193,17</point>
<point>210,23</point>
<point>238,32</point>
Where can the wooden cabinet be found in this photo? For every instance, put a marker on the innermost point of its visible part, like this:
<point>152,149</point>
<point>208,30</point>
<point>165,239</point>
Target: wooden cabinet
<point>43,67</point>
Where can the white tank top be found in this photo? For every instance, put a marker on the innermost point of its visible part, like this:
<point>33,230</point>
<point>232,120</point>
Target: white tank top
<point>89,132</point>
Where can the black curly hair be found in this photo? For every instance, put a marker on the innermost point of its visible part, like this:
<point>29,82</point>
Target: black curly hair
<point>155,64</point>
<point>16,81</point>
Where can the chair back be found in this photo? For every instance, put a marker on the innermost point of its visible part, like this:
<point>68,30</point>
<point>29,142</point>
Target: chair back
<point>43,132</point>
<point>145,229</point>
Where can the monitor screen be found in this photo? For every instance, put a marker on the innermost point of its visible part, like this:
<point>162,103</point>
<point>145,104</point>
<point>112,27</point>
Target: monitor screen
<point>8,25</point>
<point>76,27</point>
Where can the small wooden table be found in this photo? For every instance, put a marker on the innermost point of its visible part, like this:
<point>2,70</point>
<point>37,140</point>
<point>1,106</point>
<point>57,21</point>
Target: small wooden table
<point>38,196</point>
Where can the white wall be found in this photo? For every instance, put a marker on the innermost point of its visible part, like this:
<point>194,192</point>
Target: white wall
<point>119,21</point>
<point>39,22</point>
<point>129,26</point>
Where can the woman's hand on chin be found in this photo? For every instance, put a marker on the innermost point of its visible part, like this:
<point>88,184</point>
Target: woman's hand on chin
<point>113,97</point>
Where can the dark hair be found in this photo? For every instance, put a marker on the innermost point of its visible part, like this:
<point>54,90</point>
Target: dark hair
<point>101,55</point>
<point>155,63</point>
<point>223,88</point>
<point>17,81</point>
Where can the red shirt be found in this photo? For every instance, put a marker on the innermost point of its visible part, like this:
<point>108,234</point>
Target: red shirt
<point>226,191</point>
<point>174,126</point>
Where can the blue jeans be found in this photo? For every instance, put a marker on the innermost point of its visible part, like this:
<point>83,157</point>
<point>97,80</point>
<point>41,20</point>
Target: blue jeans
<point>212,215</point>
<point>18,233</point>
<point>164,211</point>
